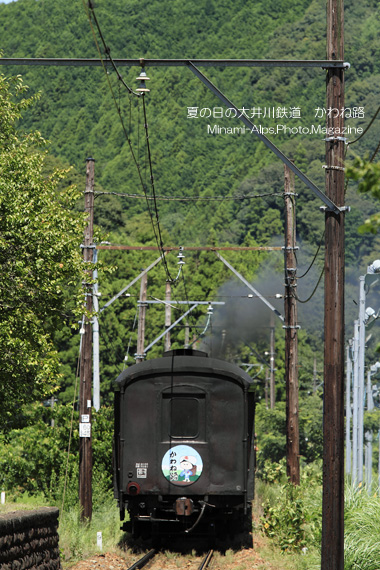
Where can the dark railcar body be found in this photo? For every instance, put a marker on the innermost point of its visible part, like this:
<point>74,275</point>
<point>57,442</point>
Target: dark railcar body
<point>184,459</point>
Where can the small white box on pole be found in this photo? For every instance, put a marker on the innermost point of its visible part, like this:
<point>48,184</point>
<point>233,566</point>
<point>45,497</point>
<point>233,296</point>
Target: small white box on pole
<point>99,540</point>
<point>3,497</point>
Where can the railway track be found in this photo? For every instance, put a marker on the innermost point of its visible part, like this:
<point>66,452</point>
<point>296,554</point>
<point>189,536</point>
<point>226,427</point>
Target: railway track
<point>152,553</point>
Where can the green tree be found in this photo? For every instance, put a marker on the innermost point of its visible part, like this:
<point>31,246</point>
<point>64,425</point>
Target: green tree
<point>39,255</point>
<point>367,175</point>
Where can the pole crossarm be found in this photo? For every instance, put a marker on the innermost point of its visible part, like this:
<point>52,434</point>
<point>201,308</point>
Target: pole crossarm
<point>169,248</point>
<point>131,283</point>
<point>269,305</point>
<point>162,302</point>
<point>91,62</point>
<point>329,203</point>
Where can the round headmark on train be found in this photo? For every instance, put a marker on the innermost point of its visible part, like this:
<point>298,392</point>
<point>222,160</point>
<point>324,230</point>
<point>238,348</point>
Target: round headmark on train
<point>182,465</point>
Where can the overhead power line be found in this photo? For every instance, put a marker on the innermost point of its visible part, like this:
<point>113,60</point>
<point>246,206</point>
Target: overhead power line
<point>91,15</point>
<point>366,129</point>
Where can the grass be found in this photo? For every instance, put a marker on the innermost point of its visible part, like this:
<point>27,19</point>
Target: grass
<point>362,533</point>
<point>78,540</point>
<point>362,530</point>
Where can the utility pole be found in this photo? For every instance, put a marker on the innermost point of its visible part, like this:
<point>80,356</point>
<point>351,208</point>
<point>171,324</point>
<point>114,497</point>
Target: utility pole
<point>272,386</point>
<point>95,336</point>
<point>333,414</point>
<point>168,314</point>
<point>348,404</point>
<point>141,321</point>
<point>355,405</point>
<point>187,334</point>
<point>291,334</point>
<point>85,442</point>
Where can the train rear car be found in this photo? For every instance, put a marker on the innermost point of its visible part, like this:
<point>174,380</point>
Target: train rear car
<point>184,460</point>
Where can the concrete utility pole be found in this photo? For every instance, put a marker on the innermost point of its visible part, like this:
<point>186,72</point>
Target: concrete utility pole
<point>291,334</point>
<point>349,349</point>
<point>85,442</point>
<point>272,383</point>
<point>355,405</point>
<point>333,413</point>
<point>141,321</point>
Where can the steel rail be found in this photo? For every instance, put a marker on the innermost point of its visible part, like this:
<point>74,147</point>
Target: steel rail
<point>92,62</point>
<point>206,561</point>
<point>144,560</point>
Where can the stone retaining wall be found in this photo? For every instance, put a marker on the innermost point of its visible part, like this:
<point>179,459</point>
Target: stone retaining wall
<point>29,539</point>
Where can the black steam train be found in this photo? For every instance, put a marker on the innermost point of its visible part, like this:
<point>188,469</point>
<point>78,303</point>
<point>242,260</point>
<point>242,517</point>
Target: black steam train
<point>184,452</point>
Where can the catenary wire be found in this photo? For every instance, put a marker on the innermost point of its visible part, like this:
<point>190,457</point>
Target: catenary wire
<point>136,161</point>
<point>159,238</point>
<point>107,49</point>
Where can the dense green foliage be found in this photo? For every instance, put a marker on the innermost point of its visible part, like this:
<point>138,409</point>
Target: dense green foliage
<point>77,112</point>
<point>41,458</point>
<point>39,258</point>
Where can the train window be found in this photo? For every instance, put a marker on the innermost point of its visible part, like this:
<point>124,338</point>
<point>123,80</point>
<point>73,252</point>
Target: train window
<point>183,415</point>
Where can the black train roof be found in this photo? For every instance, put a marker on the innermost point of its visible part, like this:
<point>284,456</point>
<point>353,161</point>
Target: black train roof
<point>184,361</point>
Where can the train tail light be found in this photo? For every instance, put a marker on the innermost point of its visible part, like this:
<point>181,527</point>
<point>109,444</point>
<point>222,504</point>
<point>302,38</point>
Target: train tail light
<point>133,488</point>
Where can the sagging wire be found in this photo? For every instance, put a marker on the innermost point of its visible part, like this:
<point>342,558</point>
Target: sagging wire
<point>375,153</point>
<point>314,290</point>
<point>314,258</point>
<point>357,139</point>
<point>130,339</point>
<point>140,92</point>
<point>209,313</point>
<point>159,240</point>
<point>107,49</point>
<point>366,129</point>
<point>126,134</point>
<point>187,297</point>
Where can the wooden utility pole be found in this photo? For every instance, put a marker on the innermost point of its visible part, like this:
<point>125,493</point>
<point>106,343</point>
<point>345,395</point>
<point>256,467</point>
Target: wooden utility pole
<point>141,321</point>
<point>85,442</point>
<point>272,385</point>
<point>291,334</point>
<point>168,313</point>
<point>333,413</point>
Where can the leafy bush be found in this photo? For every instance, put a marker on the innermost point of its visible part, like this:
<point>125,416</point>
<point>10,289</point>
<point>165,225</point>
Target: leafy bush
<point>292,514</point>
<point>37,460</point>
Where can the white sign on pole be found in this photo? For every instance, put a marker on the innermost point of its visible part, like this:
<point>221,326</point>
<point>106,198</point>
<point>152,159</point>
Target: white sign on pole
<point>99,540</point>
<point>84,430</point>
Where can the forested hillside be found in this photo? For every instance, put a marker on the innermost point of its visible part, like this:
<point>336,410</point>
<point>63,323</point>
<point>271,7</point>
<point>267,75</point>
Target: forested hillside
<point>192,159</point>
